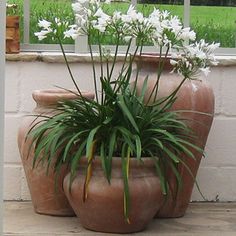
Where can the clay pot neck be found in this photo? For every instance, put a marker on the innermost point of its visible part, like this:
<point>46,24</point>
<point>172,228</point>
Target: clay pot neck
<point>151,62</point>
<point>51,97</point>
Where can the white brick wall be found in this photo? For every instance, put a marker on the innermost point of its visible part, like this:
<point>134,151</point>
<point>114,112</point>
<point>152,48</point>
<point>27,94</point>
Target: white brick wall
<point>217,174</point>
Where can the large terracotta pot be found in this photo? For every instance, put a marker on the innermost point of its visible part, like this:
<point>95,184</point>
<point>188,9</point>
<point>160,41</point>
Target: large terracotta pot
<point>103,210</point>
<point>45,198</point>
<point>196,100</point>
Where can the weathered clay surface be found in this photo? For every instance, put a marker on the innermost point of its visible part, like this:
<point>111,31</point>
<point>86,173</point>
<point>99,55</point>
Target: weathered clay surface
<point>45,198</point>
<point>195,103</point>
<point>103,210</point>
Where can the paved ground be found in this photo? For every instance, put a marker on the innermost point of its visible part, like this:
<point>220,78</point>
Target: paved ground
<point>202,219</point>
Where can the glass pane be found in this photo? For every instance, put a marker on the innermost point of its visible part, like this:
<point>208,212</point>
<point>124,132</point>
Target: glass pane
<point>109,9</point>
<point>175,7</point>
<point>146,7</point>
<point>50,9</point>
<point>45,9</point>
<point>215,21</point>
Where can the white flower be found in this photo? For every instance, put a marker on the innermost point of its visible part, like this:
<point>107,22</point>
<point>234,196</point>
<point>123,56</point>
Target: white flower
<point>71,33</point>
<point>187,34</point>
<point>100,27</point>
<point>206,70</point>
<point>175,25</point>
<point>42,34</point>
<point>165,14</point>
<point>44,24</point>
<point>131,15</point>
<point>58,21</point>
<point>102,20</point>
<point>173,62</point>
<point>212,47</point>
<point>116,16</point>
<point>79,5</point>
<point>100,13</point>
<point>155,14</point>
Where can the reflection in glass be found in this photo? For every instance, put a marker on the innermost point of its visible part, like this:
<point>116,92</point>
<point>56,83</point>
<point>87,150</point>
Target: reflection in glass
<point>215,21</point>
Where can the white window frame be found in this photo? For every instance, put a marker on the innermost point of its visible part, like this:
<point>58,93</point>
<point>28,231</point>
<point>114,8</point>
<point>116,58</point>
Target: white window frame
<point>81,43</point>
<point>2,89</point>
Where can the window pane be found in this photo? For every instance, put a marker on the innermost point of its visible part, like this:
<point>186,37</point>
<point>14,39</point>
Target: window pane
<point>215,21</point>
<point>146,7</point>
<point>49,10</point>
<point>175,7</point>
<point>109,39</point>
<point>45,9</point>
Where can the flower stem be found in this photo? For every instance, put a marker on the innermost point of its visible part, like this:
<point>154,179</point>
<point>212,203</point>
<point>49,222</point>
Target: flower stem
<point>93,66</point>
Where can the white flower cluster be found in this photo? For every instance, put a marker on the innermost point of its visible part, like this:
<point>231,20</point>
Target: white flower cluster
<point>88,14</point>
<point>50,28</point>
<point>46,29</point>
<point>168,30</point>
<point>194,58</point>
<point>159,27</point>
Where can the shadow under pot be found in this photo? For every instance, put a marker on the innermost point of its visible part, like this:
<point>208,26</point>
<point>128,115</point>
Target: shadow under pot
<point>45,197</point>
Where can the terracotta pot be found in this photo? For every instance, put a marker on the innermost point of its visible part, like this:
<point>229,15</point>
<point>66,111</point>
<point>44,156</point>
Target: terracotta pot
<point>103,210</point>
<point>12,34</point>
<point>194,97</point>
<point>45,199</point>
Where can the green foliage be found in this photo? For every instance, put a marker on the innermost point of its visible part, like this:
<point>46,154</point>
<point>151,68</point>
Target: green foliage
<point>121,125</point>
<point>119,122</point>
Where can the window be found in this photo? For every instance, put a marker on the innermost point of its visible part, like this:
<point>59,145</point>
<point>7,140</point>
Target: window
<point>213,20</point>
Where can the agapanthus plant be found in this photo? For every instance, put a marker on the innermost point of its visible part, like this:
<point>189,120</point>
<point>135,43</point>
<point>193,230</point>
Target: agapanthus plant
<point>119,122</point>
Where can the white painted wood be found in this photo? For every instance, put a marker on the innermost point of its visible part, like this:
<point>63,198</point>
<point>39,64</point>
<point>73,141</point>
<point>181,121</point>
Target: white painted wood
<point>186,13</point>
<point>2,88</point>
<point>26,21</point>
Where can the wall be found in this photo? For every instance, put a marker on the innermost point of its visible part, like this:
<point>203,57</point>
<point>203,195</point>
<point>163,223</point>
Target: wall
<point>27,72</point>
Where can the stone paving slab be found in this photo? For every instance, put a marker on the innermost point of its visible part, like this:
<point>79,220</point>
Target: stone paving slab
<point>202,219</point>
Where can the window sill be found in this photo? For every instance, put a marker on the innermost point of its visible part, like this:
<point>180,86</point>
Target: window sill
<point>55,57</point>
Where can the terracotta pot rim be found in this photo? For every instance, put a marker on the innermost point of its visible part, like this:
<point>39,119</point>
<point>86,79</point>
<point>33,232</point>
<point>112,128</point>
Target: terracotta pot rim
<point>54,95</point>
<point>13,16</point>
<point>152,55</point>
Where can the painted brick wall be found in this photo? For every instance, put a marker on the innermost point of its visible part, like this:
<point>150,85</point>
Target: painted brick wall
<point>217,174</point>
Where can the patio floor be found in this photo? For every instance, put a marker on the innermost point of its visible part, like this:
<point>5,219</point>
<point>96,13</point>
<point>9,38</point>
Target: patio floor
<point>202,219</point>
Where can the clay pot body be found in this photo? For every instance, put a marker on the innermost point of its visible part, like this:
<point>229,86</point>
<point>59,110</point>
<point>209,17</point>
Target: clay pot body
<point>194,97</point>
<point>45,198</point>
<point>103,210</point>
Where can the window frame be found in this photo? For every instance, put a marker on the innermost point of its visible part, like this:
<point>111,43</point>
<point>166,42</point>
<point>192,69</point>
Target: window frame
<point>81,45</point>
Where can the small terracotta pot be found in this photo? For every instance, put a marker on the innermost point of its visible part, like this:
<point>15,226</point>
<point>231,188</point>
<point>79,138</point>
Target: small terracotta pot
<point>45,198</point>
<point>196,101</point>
<point>103,210</point>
